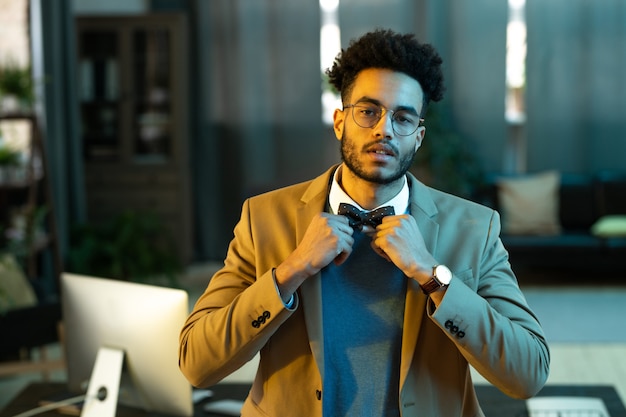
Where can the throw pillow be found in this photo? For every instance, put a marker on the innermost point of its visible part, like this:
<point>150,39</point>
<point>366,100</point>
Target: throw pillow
<point>613,225</point>
<point>15,290</point>
<point>530,204</point>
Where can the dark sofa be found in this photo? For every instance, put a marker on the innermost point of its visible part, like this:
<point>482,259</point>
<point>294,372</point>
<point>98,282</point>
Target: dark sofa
<point>583,199</point>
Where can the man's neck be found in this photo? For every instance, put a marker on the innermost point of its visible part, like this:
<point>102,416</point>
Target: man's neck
<point>367,194</point>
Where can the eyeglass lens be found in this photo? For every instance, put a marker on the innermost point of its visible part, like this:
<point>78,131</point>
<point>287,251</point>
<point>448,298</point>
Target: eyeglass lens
<point>403,122</point>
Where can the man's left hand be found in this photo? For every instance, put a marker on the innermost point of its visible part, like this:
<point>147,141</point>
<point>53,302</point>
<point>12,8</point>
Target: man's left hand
<point>399,240</point>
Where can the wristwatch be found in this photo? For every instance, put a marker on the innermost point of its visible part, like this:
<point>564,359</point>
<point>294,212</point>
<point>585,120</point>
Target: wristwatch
<point>439,279</point>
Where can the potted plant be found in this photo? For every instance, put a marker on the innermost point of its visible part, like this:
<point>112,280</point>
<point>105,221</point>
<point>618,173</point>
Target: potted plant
<point>132,246</point>
<point>445,161</point>
<point>16,87</point>
<point>10,160</point>
<point>9,157</point>
<point>25,231</point>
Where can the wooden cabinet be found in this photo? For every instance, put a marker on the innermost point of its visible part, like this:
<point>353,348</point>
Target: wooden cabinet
<point>133,100</point>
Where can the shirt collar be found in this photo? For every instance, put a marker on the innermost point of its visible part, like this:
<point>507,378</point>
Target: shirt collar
<point>337,196</point>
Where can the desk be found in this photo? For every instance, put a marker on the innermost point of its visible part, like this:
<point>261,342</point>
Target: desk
<point>496,404</point>
<point>30,396</point>
<point>493,402</point>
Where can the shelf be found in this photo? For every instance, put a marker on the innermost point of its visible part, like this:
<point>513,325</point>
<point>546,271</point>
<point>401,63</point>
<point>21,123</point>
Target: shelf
<point>19,115</point>
<point>23,191</point>
<point>18,184</point>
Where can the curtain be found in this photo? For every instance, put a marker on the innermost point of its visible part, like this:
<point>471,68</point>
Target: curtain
<point>259,92</point>
<point>52,42</point>
<point>576,89</point>
<point>258,107</point>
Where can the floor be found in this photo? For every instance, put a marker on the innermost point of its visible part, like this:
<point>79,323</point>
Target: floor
<point>582,362</point>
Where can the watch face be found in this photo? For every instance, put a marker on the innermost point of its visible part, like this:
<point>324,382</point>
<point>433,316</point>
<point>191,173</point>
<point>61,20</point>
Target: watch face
<point>443,274</point>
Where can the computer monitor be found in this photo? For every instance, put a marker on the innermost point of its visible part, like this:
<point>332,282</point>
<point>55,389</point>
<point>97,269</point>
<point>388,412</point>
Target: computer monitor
<point>142,322</point>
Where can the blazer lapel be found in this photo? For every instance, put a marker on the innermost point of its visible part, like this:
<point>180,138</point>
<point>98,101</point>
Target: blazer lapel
<point>423,209</point>
<point>313,201</point>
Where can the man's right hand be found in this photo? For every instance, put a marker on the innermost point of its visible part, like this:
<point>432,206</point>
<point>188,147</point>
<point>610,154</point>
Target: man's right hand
<point>328,238</point>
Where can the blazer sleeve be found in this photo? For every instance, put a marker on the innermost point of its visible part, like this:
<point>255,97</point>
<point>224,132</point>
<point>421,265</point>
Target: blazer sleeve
<point>235,317</point>
<point>486,315</point>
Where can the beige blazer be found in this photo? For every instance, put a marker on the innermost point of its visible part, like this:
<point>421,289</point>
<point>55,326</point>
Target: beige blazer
<point>483,320</point>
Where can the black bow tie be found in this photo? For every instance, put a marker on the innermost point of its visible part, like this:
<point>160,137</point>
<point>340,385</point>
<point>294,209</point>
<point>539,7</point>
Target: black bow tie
<point>359,218</point>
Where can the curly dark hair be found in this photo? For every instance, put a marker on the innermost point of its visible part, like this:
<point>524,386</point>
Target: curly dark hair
<point>386,49</point>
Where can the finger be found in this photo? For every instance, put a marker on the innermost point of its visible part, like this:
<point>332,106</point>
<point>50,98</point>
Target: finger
<point>399,219</point>
<point>341,258</point>
<point>346,229</point>
<point>344,249</point>
<point>389,223</point>
<point>343,224</point>
<point>380,252</point>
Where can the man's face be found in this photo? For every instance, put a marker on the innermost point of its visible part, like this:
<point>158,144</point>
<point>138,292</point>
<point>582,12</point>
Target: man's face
<point>378,154</point>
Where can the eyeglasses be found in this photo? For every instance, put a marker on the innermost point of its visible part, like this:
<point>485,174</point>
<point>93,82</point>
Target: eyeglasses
<point>367,115</point>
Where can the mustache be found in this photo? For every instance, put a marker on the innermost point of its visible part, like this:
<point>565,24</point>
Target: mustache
<point>384,143</point>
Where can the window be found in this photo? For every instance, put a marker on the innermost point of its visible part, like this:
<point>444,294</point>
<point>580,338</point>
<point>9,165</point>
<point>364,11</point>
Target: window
<point>330,46</point>
<point>515,62</point>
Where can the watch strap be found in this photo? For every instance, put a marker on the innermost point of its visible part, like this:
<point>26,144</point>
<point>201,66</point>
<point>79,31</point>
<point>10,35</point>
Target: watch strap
<point>431,286</point>
<point>434,283</point>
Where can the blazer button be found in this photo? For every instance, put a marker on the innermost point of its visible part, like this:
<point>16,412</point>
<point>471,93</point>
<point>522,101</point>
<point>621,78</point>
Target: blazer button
<point>261,320</point>
<point>318,394</point>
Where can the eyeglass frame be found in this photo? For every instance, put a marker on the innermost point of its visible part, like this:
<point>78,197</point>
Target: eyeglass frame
<point>383,110</point>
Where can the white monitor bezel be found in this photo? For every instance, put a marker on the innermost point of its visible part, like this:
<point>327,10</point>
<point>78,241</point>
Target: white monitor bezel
<point>142,320</point>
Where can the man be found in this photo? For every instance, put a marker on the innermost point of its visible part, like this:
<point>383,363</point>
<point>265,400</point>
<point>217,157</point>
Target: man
<point>374,317</point>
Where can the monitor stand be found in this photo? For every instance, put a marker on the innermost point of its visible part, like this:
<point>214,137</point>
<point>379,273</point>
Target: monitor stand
<point>104,384</point>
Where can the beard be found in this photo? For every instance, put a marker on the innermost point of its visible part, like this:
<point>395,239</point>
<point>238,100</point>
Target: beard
<point>350,158</point>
